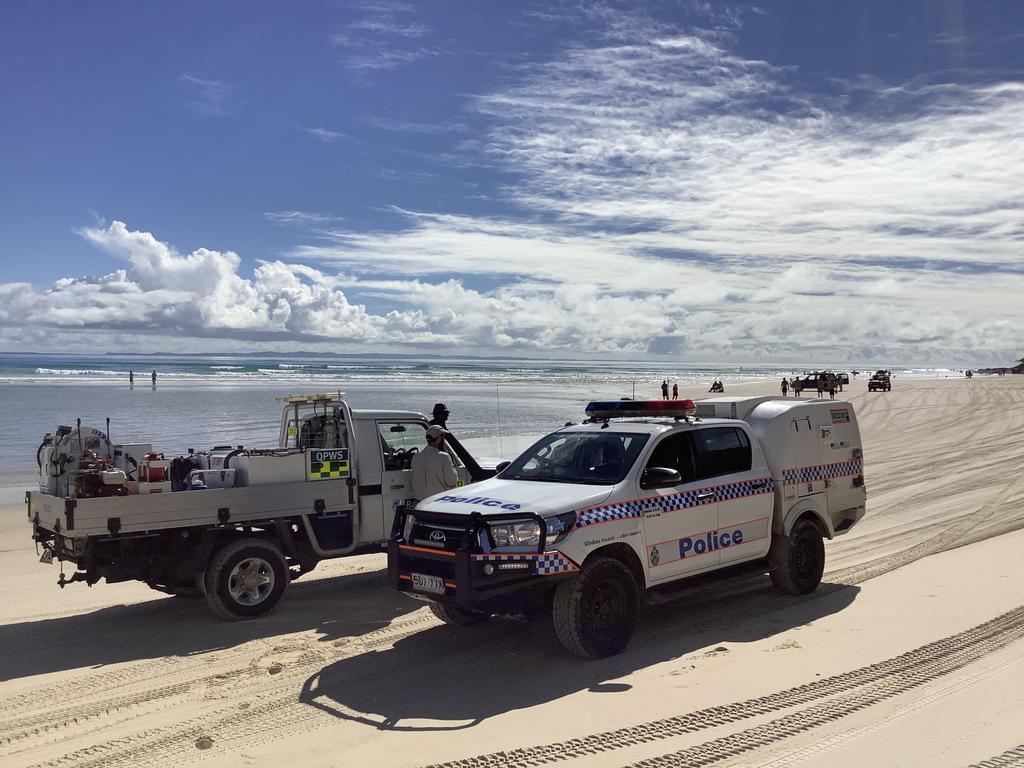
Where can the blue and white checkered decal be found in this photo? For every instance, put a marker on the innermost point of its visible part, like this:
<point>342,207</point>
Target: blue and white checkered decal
<point>637,508</point>
<point>546,564</point>
<point>799,475</point>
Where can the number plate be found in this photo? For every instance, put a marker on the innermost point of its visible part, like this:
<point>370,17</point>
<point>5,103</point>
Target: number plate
<point>423,583</point>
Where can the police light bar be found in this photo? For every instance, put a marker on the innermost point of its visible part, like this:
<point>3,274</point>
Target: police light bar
<point>619,409</point>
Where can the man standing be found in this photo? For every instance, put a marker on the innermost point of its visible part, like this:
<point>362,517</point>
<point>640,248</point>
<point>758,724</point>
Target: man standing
<point>154,378</point>
<point>664,389</point>
<point>675,390</point>
<point>785,386</point>
<point>440,415</point>
<point>432,468</point>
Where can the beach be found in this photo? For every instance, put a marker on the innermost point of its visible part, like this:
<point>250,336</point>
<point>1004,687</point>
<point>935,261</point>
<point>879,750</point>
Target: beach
<point>910,653</point>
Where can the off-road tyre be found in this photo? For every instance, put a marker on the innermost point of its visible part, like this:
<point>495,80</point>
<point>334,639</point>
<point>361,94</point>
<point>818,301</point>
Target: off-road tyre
<point>595,614</point>
<point>796,562</point>
<point>222,575</point>
<point>456,616</point>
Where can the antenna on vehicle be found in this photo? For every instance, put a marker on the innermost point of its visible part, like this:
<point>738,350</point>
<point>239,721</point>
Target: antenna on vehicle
<point>108,429</point>
<point>497,407</point>
<point>78,426</point>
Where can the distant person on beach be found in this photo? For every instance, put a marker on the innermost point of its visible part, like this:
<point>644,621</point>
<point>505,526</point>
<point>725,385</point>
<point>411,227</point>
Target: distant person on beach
<point>131,379</point>
<point>821,385</point>
<point>785,386</point>
<point>675,390</point>
<point>154,378</point>
<point>664,390</point>
<point>797,386</point>
<point>440,415</point>
<point>432,470</point>
<point>717,386</point>
<point>832,386</point>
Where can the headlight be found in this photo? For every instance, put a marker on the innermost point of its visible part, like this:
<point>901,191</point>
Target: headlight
<point>516,534</point>
<point>559,526</point>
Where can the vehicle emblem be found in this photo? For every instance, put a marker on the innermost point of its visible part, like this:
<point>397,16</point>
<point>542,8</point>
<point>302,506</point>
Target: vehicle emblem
<point>437,537</point>
<point>655,556</point>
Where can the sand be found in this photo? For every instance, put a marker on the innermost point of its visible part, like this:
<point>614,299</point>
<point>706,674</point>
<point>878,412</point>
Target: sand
<point>910,654</point>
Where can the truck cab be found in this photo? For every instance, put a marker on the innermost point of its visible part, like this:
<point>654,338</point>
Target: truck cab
<point>595,518</point>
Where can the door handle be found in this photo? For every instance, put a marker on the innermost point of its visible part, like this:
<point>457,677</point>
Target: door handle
<point>706,495</point>
<point>397,487</point>
<point>759,484</point>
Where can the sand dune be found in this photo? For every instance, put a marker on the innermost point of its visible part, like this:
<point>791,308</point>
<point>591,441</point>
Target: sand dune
<point>911,653</point>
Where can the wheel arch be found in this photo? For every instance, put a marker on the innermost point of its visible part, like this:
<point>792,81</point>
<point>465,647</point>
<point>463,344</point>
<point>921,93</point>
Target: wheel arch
<point>807,509</point>
<point>626,555</point>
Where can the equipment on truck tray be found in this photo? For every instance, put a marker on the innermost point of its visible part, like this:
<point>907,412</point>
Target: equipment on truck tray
<point>218,522</point>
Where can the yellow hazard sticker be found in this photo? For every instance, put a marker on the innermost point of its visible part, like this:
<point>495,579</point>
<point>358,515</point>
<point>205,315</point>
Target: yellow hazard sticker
<point>328,463</point>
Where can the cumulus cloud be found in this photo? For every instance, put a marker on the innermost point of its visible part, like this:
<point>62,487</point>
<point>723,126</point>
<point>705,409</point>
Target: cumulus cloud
<point>672,197</point>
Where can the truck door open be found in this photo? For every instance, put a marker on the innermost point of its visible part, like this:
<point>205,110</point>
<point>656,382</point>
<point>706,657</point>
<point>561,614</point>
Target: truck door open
<point>399,441</point>
<point>678,520</point>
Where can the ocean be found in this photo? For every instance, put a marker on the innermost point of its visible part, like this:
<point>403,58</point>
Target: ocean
<point>201,401</point>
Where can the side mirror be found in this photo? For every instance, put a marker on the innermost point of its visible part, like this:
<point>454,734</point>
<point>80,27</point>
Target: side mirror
<point>660,477</point>
<point>502,466</point>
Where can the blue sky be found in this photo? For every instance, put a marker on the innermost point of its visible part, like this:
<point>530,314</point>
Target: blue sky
<point>702,181</point>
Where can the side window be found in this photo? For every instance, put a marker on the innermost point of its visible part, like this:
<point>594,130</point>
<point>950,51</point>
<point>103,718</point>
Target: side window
<point>721,451</point>
<point>675,452</point>
<point>399,442</point>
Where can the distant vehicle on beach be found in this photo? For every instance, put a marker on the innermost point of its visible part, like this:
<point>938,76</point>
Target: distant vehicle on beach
<point>810,380</point>
<point>880,381</point>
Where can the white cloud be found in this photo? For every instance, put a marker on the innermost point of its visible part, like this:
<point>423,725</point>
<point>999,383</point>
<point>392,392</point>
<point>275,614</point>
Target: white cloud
<point>382,38</point>
<point>672,197</point>
<point>210,97</point>
<point>324,134</point>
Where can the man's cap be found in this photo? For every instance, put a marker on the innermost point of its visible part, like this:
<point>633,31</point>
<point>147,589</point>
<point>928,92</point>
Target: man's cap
<point>435,431</point>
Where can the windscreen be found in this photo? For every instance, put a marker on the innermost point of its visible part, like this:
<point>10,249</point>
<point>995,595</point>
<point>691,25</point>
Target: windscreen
<point>589,458</point>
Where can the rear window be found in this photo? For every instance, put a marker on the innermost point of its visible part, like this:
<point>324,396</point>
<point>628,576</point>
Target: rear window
<point>721,451</point>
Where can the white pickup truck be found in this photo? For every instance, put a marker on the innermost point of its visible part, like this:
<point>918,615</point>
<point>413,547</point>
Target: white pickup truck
<point>233,524</point>
<point>595,519</point>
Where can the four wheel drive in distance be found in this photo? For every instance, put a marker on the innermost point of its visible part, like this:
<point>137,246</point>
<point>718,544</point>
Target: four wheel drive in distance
<point>597,519</point>
<point>232,524</point>
<point>880,381</point>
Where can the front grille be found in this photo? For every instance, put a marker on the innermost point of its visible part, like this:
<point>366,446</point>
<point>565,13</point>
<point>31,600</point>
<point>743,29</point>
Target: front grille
<point>443,538</point>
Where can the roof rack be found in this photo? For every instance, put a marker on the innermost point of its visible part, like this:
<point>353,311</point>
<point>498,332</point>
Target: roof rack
<point>310,399</point>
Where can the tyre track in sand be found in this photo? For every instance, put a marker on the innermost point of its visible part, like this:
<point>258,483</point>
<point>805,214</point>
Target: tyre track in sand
<point>846,693</point>
<point>1011,758</point>
<point>276,705</point>
<point>269,708</point>
<point>35,722</point>
<point>274,708</point>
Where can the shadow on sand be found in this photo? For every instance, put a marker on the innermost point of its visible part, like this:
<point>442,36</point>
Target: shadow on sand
<point>338,607</point>
<point>444,678</point>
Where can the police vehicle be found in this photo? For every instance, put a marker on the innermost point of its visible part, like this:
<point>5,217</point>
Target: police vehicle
<point>596,519</point>
<point>234,524</point>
